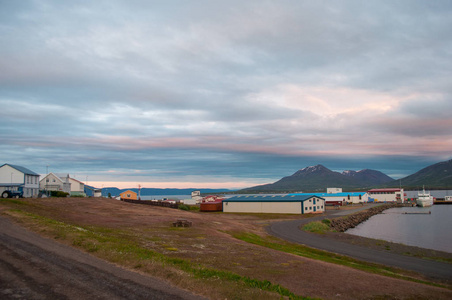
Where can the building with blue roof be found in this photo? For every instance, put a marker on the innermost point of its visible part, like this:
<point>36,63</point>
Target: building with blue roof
<point>280,204</point>
<point>340,198</point>
<point>18,178</point>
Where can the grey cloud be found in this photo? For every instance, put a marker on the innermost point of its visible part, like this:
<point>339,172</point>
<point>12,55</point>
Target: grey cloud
<point>168,70</point>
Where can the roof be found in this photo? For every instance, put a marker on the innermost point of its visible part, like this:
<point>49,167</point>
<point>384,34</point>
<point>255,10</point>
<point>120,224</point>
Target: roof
<point>61,175</point>
<point>21,169</point>
<point>55,175</point>
<point>128,191</point>
<point>76,180</point>
<point>386,190</point>
<point>327,195</point>
<point>270,198</point>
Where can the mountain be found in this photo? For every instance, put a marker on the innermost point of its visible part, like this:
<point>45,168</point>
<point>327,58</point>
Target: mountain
<point>438,175</point>
<point>318,178</point>
<point>368,177</point>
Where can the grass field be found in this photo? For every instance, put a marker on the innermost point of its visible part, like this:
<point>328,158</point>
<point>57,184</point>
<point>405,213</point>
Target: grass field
<point>221,256</point>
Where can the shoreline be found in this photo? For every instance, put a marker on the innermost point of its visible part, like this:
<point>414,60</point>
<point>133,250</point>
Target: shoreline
<point>391,247</point>
<point>354,219</point>
<point>431,263</point>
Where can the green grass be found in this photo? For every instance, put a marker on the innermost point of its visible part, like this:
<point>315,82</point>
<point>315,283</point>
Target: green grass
<point>316,227</point>
<point>118,246</point>
<point>300,250</point>
<point>12,200</point>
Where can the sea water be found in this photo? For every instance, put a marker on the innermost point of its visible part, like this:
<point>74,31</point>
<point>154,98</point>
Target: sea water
<point>425,227</point>
<point>160,197</point>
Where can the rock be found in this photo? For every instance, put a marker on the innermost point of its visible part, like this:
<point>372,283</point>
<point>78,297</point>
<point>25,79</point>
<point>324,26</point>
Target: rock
<point>342,224</point>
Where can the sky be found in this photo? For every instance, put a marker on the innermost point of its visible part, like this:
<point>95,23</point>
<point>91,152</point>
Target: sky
<point>223,94</point>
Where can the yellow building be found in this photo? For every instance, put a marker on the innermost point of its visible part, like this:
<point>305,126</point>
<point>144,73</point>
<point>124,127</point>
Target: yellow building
<point>130,195</point>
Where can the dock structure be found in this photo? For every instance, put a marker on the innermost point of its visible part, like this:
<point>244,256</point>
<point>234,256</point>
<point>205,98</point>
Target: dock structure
<point>441,202</point>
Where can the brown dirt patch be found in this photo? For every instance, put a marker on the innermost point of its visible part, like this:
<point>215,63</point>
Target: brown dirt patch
<point>208,243</point>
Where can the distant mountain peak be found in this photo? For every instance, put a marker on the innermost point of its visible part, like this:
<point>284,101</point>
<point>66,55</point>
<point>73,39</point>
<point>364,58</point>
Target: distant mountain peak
<point>312,169</point>
<point>318,177</point>
<point>349,172</point>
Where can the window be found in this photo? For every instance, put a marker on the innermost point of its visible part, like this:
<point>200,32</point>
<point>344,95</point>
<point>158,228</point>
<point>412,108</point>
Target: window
<point>47,180</point>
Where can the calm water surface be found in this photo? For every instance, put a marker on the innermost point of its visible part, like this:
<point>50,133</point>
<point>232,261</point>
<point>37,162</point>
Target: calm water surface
<point>431,231</point>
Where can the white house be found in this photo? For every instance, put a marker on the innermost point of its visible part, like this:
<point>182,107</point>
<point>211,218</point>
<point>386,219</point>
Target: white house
<point>279,204</point>
<point>62,182</point>
<point>333,190</point>
<point>77,187</point>
<point>20,179</point>
<point>53,182</point>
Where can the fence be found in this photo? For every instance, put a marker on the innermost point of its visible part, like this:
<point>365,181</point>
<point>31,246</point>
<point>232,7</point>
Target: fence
<point>150,202</point>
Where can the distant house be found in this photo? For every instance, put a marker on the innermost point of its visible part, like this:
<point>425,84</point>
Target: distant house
<point>77,187</point>
<point>279,204</point>
<point>53,182</point>
<point>19,178</point>
<point>92,192</point>
<point>62,182</point>
<point>130,195</point>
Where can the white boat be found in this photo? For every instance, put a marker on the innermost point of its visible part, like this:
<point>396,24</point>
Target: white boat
<point>424,199</point>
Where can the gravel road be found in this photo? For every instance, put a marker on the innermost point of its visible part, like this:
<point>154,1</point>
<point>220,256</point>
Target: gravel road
<point>33,267</point>
<point>289,230</point>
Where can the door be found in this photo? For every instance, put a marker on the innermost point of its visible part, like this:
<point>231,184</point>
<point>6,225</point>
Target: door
<point>314,208</point>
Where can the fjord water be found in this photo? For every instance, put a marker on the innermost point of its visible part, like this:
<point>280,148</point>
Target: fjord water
<point>416,228</point>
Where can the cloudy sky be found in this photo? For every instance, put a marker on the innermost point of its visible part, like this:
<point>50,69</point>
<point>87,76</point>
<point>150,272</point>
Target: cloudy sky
<point>223,93</point>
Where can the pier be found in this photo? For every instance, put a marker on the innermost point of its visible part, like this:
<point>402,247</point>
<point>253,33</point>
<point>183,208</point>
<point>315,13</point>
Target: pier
<point>441,202</point>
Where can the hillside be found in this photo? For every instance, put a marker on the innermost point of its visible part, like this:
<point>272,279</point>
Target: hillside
<point>318,178</point>
<point>438,175</point>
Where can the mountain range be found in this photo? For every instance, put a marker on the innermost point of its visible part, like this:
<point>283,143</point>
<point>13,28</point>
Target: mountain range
<point>318,178</point>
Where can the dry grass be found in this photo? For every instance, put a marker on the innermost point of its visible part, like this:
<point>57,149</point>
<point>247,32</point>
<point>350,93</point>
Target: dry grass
<point>203,258</point>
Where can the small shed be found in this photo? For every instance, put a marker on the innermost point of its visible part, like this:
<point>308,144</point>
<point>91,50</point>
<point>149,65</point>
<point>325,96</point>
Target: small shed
<point>211,206</point>
<point>282,204</point>
<point>130,195</point>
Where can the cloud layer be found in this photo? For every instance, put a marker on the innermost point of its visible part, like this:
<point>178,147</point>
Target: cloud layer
<point>224,92</point>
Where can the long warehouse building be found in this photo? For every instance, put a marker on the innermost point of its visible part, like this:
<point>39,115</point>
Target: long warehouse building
<point>280,204</point>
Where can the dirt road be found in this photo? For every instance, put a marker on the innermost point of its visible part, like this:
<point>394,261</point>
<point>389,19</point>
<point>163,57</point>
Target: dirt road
<point>33,267</point>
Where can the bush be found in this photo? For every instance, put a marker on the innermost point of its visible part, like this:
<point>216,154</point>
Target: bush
<point>326,221</point>
<point>184,207</point>
<point>316,227</point>
<point>194,207</point>
<point>59,194</point>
